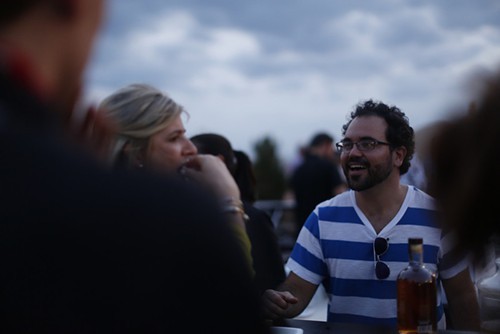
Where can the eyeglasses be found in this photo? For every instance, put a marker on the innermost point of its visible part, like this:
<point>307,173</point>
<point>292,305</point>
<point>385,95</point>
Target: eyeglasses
<point>363,145</point>
<point>380,246</point>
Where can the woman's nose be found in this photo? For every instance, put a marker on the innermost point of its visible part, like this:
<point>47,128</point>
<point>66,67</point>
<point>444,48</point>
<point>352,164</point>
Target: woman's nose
<point>190,148</point>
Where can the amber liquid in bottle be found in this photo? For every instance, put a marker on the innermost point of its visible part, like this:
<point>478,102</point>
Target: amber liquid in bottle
<point>416,294</point>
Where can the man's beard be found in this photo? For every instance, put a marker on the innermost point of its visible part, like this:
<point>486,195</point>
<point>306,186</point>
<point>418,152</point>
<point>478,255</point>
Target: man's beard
<point>375,175</point>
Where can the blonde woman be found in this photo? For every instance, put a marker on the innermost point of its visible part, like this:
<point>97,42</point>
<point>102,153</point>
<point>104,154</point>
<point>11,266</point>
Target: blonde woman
<point>151,136</point>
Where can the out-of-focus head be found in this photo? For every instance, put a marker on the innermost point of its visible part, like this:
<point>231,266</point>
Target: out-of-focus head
<point>55,37</point>
<point>150,129</point>
<point>214,144</point>
<point>321,144</point>
<point>320,139</point>
<point>399,133</point>
<point>464,178</point>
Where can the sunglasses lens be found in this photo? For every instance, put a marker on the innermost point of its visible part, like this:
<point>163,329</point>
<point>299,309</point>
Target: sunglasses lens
<point>381,270</point>
<point>380,245</point>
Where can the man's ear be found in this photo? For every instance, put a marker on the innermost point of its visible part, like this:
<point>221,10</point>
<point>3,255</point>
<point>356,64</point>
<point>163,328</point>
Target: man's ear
<point>401,153</point>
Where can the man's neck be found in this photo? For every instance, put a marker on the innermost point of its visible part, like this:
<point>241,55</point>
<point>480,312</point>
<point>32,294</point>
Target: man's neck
<point>381,203</point>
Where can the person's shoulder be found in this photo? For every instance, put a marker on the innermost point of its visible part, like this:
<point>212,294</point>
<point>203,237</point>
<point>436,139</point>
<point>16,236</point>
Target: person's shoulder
<point>342,200</point>
<point>251,209</point>
<point>309,161</point>
<point>257,216</point>
<point>315,161</point>
<point>421,199</point>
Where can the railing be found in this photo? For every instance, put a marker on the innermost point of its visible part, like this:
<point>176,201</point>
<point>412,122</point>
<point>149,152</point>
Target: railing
<point>276,208</point>
<point>282,215</point>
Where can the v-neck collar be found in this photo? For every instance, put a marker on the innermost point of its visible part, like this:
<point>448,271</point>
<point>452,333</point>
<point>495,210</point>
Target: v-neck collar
<point>404,206</point>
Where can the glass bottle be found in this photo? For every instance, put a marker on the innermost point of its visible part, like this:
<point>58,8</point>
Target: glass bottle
<point>489,298</point>
<point>416,293</point>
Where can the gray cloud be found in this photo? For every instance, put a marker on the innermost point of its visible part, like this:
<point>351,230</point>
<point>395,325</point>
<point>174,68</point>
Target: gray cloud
<point>288,67</point>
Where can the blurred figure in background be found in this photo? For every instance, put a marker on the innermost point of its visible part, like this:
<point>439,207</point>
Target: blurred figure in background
<point>416,175</point>
<point>85,250</point>
<point>267,260</point>
<point>317,178</point>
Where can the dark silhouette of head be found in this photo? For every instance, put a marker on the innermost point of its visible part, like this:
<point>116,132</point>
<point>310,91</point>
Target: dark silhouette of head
<point>214,144</point>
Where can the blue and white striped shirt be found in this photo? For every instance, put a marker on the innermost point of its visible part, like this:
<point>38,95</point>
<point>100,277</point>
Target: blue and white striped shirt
<point>335,247</point>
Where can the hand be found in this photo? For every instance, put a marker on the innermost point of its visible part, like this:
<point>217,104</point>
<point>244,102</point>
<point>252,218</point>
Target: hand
<point>211,171</point>
<point>275,304</point>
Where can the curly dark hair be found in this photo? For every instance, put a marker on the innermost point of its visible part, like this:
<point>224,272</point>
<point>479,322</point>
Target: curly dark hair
<point>399,132</point>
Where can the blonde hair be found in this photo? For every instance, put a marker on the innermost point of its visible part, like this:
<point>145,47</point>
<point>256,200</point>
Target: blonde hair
<point>139,111</point>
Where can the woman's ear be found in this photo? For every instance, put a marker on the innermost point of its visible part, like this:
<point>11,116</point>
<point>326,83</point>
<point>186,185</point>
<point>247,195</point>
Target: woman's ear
<point>135,157</point>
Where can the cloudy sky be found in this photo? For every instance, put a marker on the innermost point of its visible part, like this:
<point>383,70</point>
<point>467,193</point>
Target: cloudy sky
<point>288,68</point>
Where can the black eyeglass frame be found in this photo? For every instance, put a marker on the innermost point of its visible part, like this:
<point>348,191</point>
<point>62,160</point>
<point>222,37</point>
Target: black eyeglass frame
<point>380,247</point>
<point>372,144</point>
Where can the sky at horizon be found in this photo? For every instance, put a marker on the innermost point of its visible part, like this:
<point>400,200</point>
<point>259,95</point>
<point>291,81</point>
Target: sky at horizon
<point>288,69</point>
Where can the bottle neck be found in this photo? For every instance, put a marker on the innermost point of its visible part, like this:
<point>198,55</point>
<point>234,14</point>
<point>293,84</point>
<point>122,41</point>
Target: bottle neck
<point>416,254</point>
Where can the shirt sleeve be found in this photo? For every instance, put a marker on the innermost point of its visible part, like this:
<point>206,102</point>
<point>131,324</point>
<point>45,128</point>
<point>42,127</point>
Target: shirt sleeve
<point>306,259</point>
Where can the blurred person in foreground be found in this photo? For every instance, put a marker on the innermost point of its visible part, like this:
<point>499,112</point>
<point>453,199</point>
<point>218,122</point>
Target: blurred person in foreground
<point>317,178</point>
<point>86,250</point>
<point>464,155</point>
<point>356,243</point>
<point>267,260</point>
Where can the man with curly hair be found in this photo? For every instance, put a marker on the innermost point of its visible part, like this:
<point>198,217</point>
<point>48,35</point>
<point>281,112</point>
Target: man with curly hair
<point>356,242</point>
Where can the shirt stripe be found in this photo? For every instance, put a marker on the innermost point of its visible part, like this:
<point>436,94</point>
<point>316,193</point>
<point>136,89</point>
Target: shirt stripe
<point>335,248</point>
